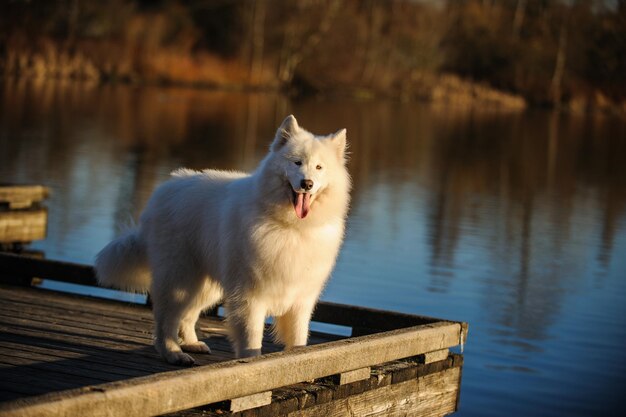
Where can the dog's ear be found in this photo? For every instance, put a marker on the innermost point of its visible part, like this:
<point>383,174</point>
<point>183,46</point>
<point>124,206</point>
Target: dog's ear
<point>285,131</point>
<point>338,139</point>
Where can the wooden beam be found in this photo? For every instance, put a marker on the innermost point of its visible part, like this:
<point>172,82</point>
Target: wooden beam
<point>22,196</point>
<point>22,266</point>
<point>179,390</point>
<point>430,357</point>
<point>250,401</point>
<point>23,225</point>
<point>353,376</point>
<point>366,318</point>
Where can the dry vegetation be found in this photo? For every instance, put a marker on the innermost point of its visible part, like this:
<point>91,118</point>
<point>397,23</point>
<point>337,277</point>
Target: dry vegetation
<point>505,53</point>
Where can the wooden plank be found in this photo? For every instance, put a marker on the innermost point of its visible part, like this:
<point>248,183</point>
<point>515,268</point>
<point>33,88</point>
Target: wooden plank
<point>86,303</point>
<point>70,373</point>
<point>31,267</point>
<point>353,376</point>
<point>35,382</point>
<point>73,334</point>
<point>361,317</point>
<point>67,349</point>
<point>250,401</point>
<point>428,396</point>
<point>8,392</point>
<point>140,349</point>
<point>22,196</point>
<point>85,332</point>
<point>105,326</point>
<point>82,316</point>
<point>23,225</point>
<point>177,390</point>
<point>435,390</point>
<point>74,303</point>
<point>435,356</point>
<point>38,354</point>
<point>101,326</point>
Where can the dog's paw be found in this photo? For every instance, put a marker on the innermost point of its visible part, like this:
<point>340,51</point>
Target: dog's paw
<point>197,347</point>
<point>179,358</point>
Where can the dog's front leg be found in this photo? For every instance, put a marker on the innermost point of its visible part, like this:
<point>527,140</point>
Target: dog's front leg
<point>246,322</point>
<point>292,328</point>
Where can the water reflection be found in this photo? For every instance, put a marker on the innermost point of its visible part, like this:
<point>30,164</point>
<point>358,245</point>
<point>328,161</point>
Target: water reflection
<point>513,222</point>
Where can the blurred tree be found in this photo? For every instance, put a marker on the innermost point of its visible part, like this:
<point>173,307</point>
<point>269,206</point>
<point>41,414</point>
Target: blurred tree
<point>549,51</point>
<point>304,26</point>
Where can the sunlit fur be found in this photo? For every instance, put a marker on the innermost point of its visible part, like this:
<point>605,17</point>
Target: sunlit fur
<point>231,236</point>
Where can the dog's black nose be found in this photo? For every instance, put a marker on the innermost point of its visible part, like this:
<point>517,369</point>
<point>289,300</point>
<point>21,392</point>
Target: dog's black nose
<point>306,184</point>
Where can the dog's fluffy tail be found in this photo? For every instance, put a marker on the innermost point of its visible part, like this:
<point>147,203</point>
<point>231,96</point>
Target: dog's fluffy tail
<point>123,264</point>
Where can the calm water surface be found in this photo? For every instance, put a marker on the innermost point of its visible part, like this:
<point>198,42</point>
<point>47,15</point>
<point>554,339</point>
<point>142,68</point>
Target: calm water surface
<point>513,223</point>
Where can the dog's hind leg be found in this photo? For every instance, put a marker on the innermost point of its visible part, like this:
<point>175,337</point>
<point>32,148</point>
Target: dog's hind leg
<point>167,317</point>
<point>209,296</point>
<point>172,296</point>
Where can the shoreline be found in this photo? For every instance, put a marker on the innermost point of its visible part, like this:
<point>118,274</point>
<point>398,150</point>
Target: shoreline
<point>50,61</point>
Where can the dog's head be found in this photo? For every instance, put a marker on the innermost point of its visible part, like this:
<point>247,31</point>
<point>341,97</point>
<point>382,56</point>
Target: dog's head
<point>311,164</point>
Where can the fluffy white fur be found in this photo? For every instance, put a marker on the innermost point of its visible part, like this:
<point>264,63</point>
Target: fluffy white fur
<point>214,236</point>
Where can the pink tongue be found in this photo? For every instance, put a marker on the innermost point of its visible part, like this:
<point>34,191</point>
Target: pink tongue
<point>302,204</point>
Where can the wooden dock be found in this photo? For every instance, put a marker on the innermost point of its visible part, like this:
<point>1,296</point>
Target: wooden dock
<point>71,355</point>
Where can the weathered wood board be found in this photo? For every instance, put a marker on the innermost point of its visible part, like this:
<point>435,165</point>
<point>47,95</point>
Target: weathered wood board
<point>23,225</point>
<point>399,388</point>
<point>431,395</point>
<point>22,219</point>
<point>22,196</point>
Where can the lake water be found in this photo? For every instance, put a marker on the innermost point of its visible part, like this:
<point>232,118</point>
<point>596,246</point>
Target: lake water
<point>515,223</point>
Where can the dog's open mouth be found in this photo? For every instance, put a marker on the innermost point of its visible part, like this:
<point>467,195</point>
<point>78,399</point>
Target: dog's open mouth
<point>301,203</point>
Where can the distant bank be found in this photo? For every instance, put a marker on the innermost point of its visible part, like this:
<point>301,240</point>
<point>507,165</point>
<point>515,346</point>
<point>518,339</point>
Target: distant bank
<point>501,55</point>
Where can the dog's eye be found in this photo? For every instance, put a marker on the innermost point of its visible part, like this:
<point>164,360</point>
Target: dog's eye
<point>318,167</point>
<point>298,163</point>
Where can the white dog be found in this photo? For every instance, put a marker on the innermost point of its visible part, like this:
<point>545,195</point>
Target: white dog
<point>264,243</point>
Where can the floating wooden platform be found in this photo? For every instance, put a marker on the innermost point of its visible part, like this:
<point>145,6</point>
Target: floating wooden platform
<point>70,355</point>
<point>22,196</point>
<point>22,218</point>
